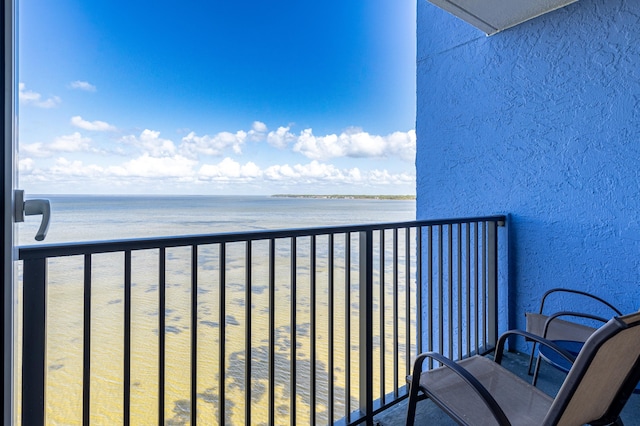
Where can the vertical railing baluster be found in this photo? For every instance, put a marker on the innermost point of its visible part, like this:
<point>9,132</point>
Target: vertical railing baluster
<point>86,347</point>
<point>440,290</point>
<point>294,331</point>
<point>419,281</point>
<point>468,278</point>
<point>484,286</point>
<point>194,335</point>
<point>430,292</point>
<point>312,335</point>
<point>450,322</point>
<point>492,262</point>
<point>460,294</point>
<point>331,325</point>
<point>127,339</point>
<point>34,341</point>
<point>382,319</point>
<point>222,321</point>
<point>347,325</point>
<point>396,323</point>
<point>272,330</point>
<point>248,355</point>
<point>366,324</point>
<point>475,286</point>
<point>161,333</point>
<point>407,293</point>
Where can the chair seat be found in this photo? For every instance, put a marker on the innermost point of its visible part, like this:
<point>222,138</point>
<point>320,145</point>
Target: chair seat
<point>558,329</point>
<point>522,403</point>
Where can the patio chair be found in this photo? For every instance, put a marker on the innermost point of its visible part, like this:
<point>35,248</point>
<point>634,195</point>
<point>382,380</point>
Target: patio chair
<point>551,327</point>
<point>479,391</point>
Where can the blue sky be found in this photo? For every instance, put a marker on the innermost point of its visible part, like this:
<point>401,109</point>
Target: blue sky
<point>217,97</point>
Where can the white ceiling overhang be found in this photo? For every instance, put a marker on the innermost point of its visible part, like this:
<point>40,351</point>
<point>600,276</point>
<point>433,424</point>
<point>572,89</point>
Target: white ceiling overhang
<point>492,16</point>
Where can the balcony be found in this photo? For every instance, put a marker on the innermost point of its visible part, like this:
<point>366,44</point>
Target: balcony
<point>331,317</point>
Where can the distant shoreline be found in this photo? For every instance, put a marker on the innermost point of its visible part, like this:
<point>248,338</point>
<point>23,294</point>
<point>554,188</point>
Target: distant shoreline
<point>348,197</point>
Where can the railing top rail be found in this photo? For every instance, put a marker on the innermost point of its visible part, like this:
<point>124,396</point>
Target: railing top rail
<point>110,246</point>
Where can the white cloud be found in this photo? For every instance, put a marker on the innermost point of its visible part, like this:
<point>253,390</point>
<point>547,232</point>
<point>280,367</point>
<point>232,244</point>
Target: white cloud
<point>281,138</point>
<point>68,168</point>
<point>315,172</point>
<point>151,143</point>
<point>74,142</point>
<point>98,126</point>
<point>356,143</point>
<point>37,149</point>
<point>257,132</point>
<point>29,97</point>
<point>403,144</point>
<point>70,143</point>
<point>318,148</point>
<point>383,177</point>
<point>26,165</point>
<point>193,145</point>
<point>299,174</point>
<point>82,85</point>
<point>229,169</point>
<point>355,175</point>
<point>259,126</point>
<point>311,171</point>
<point>155,167</point>
<point>279,172</point>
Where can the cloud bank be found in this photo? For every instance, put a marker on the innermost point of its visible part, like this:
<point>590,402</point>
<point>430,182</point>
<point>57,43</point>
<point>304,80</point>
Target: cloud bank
<point>147,156</point>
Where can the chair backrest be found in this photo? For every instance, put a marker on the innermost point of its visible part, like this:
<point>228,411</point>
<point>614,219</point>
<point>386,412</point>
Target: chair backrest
<point>603,376</point>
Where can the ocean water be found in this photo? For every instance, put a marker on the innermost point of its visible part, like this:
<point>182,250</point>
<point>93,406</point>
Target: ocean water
<point>85,218</point>
<point>77,218</point>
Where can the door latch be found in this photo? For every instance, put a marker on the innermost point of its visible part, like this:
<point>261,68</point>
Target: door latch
<point>31,208</point>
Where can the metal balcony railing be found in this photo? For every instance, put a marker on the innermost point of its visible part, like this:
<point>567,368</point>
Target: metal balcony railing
<point>299,326</point>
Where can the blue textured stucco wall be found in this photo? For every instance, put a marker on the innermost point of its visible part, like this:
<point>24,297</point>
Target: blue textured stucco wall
<point>541,122</point>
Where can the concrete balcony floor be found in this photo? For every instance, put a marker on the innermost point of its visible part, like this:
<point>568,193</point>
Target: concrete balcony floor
<point>549,381</point>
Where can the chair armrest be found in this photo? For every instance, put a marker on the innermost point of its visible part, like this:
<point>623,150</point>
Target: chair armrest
<point>547,323</point>
<point>499,352</point>
<point>580,293</point>
<point>467,377</point>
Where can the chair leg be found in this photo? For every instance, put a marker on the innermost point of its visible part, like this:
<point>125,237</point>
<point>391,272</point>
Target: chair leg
<point>411,407</point>
<point>533,351</point>
<point>536,371</point>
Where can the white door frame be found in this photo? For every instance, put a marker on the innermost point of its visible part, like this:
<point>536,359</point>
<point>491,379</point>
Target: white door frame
<point>8,174</point>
